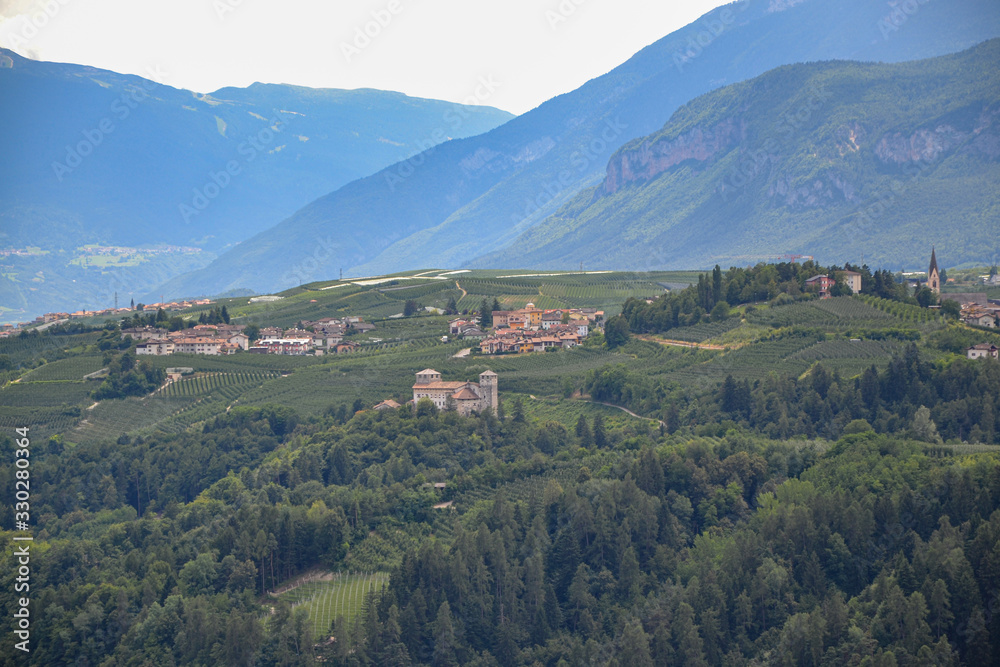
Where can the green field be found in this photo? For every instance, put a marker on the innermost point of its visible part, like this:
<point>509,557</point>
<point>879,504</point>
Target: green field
<point>846,334</point>
<point>72,369</point>
<point>340,595</point>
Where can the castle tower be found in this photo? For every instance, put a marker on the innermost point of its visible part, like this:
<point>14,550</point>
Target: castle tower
<point>933,275</point>
<point>490,390</point>
<point>428,376</point>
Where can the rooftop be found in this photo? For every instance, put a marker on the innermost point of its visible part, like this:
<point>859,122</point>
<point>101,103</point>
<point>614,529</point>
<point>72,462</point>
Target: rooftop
<point>453,386</point>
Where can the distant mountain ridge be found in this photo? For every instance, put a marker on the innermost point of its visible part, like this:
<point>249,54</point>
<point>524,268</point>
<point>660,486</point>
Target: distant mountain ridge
<point>470,198</point>
<point>841,160</point>
<point>93,156</point>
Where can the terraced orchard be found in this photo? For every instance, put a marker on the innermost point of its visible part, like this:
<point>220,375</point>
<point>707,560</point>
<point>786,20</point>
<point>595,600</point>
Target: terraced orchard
<point>335,595</point>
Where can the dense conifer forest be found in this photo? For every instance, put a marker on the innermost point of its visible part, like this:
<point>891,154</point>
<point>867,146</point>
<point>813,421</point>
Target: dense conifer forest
<point>588,545</point>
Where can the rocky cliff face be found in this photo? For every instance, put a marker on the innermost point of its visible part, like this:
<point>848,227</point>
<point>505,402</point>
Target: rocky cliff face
<point>927,145</point>
<point>650,159</point>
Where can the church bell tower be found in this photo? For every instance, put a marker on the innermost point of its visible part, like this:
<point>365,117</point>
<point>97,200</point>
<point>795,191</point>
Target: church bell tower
<point>933,275</point>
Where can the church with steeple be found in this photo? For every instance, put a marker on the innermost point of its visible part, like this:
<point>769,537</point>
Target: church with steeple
<point>933,274</point>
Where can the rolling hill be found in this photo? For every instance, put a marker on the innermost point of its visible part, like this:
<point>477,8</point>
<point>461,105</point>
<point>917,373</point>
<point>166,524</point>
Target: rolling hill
<point>472,197</point>
<point>841,160</point>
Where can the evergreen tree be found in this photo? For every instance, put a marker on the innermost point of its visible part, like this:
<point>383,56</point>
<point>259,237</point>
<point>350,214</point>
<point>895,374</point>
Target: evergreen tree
<point>673,419</point>
<point>687,642</point>
<point>634,646</point>
<point>485,317</point>
<point>600,435</point>
<point>583,432</point>
<point>444,638</point>
<point>518,412</point>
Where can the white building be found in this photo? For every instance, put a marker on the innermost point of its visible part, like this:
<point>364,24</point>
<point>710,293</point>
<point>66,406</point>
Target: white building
<point>982,351</point>
<point>155,347</point>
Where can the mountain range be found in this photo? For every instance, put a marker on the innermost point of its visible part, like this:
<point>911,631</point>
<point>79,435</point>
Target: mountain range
<point>96,157</point>
<point>843,160</point>
<point>464,202</point>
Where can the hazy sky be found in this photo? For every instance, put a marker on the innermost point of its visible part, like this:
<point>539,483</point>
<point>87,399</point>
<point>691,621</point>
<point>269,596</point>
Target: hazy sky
<point>531,50</point>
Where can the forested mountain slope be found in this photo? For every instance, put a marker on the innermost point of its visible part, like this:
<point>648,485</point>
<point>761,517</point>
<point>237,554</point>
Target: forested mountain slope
<point>841,160</point>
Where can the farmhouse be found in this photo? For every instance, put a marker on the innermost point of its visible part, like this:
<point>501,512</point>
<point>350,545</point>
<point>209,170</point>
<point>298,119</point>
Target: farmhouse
<point>979,317</point>
<point>464,397</point>
<point>821,284</point>
<point>982,351</point>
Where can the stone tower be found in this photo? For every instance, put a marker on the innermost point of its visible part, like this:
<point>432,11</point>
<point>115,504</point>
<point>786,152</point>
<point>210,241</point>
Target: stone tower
<point>490,390</point>
<point>933,275</point>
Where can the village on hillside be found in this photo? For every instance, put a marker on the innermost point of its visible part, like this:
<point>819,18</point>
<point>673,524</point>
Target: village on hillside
<point>324,336</point>
<point>530,329</point>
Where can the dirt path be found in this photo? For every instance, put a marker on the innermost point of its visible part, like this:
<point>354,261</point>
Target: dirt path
<point>462,353</point>
<point>626,411</point>
<point>612,405</point>
<point>459,286</point>
<point>682,343</point>
<point>300,581</point>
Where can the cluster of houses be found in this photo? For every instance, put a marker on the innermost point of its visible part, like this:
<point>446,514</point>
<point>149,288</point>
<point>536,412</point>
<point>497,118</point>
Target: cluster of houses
<point>532,329</point>
<point>980,313</point>
<point>324,336</point>
<point>208,339</point>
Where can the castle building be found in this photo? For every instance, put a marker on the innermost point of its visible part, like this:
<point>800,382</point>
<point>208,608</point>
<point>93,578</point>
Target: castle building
<point>464,397</point>
<point>933,275</point>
